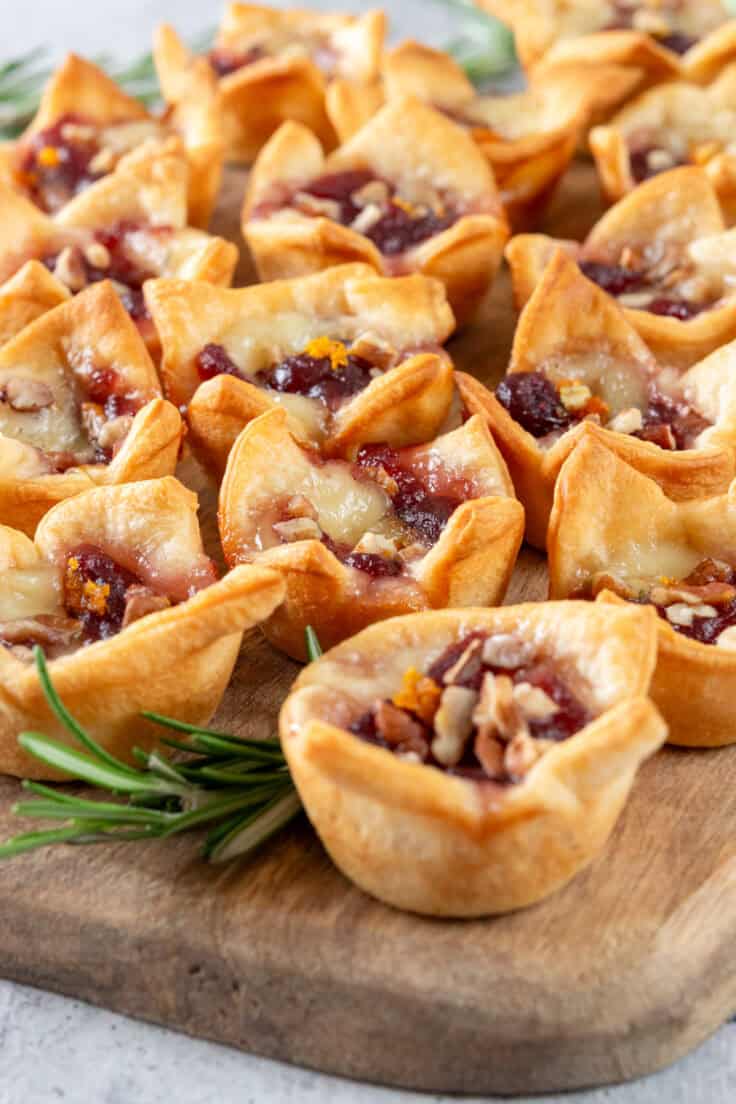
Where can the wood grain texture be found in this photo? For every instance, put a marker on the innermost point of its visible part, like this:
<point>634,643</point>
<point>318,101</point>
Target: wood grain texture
<point>615,976</point>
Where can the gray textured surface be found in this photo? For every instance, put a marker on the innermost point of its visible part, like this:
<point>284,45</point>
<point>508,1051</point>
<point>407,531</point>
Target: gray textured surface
<point>54,1049</point>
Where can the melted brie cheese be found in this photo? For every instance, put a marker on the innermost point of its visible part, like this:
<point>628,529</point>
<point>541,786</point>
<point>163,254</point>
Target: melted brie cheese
<point>29,592</point>
<point>55,428</point>
<point>621,385</point>
<point>346,507</point>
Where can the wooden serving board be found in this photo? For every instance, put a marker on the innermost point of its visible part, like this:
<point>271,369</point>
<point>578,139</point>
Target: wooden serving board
<point>615,976</point>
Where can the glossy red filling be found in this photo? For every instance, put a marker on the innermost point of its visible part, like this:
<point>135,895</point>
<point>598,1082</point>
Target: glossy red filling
<point>55,168</point>
<point>425,510</point>
<point>225,61</point>
<point>619,280</point>
<point>400,226</point>
<point>570,717</point>
<point>301,374</point>
<point>95,592</point>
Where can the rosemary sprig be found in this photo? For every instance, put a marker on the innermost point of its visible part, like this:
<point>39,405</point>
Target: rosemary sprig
<point>240,789</point>
<point>484,47</point>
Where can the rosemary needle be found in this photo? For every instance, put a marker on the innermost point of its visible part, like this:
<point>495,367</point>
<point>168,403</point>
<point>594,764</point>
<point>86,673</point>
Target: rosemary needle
<point>239,789</point>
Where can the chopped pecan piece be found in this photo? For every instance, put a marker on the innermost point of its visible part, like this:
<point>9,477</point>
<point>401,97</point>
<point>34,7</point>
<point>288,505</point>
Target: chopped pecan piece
<point>46,629</point>
<point>709,571</point>
<point>369,346</point>
<point>373,544</point>
<point>522,752</point>
<point>535,703</point>
<point>490,753</point>
<point>504,650</point>
<point>399,730</point>
<point>498,713</point>
<point>715,594</point>
<point>453,724</point>
<point>467,665</point>
<point>298,529</point>
<point>98,255</point>
<point>114,432</point>
<point>627,421</point>
<point>69,268</point>
<point>315,205</point>
<point>300,506</point>
<point>27,396</point>
<point>140,600</point>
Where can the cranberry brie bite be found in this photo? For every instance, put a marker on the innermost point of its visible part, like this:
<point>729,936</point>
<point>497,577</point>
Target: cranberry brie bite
<point>272,66</point>
<point>620,46</point>
<point>616,536</point>
<point>119,593</point>
<point>85,124</point>
<point>470,762</point>
<point>528,138</point>
<point>392,531</point>
<point>663,252</point>
<point>409,192</point>
<point>27,295</point>
<point>80,404</point>
<point>351,356</point>
<point>674,124</point>
<point>129,227</point>
<point>579,369</point>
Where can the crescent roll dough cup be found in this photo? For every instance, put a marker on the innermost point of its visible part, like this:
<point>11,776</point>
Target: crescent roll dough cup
<point>571,333</point>
<point>346,319</point>
<point>673,124</point>
<point>359,543</point>
<point>271,66</point>
<point>665,251</point>
<point>181,627</point>
<point>422,839</point>
<point>434,209</point>
<point>26,296</point>
<point>81,405</point>
<point>85,124</point>
<point>528,138</point>
<point>613,528</point>
<point>129,226</point>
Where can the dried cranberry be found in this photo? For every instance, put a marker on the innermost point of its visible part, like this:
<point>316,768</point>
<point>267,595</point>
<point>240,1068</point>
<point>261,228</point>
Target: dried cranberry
<point>94,591</point>
<point>571,715</point>
<point>99,383</point>
<point>640,165</point>
<point>450,656</point>
<point>52,184</point>
<point>213,361</point>
<point>371,564</point>
<point>426,513</point>
<point>677,41</point>
<point>615,279</point>
<point>532,400</point>
<point>316,378</point>
<point>225,61</point>
<point>675,308</point>
<point>339,187</point>
<point>398,229</point>
<point>684,422</point>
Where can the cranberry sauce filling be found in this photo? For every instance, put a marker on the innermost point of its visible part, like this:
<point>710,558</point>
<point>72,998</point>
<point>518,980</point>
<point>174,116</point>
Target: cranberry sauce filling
<point>57,163</point>
<point>425,511</point>
<point>360,199</point>
<point>648,161</point>
<point>618,280</point>
<point>331,378</point>
<point>108,257</point>
<point>104,596</point>
<point>532,400</point>
<point>225,61</point>
<point>671,423</point>
<point>478,711</point>
<point>623,20</point>
<point>702,605</point>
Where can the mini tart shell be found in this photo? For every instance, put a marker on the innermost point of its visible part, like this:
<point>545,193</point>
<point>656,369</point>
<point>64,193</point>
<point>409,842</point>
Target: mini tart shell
<point>526,167</point>
<point>407,143</point>
<point>256,99</point>
<point>678,207</point>
<point>605,513</point>
<point>568,315</point>
<point>82,89</point>
<point>109,683</point>
<point>422,840</point>
<point>679,107</point>
<point>471,563</point>
<point>26,296</point>
<point>405,405</point>
<point>94,320</point>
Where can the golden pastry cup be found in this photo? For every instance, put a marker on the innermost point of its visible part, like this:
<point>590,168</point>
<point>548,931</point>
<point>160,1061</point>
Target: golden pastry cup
<point>678,208</point>
<point>150,527</point>
<point>607,516</point>
<point>422,840</point>
<point>93,320</point>
<point>405,142</point>
<point>470,564</point>
<point>568,317</point>
<point>82,90</point>
<point>257,98</point>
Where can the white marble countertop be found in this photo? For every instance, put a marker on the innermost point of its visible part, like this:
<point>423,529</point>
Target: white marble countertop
<point>55,1049</point>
